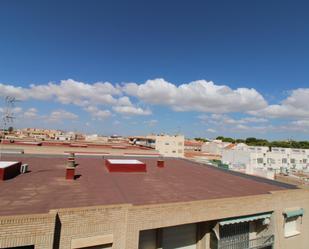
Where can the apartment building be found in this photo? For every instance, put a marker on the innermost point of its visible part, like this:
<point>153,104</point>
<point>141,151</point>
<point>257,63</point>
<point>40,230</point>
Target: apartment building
<point>261,157</point>
<point>215,147</point>
<point>192,145</point>
<point>166,145</point>
<point>38,133</point>
<point>289,158</point>
<point>169,145</point>
<point>177,204</point>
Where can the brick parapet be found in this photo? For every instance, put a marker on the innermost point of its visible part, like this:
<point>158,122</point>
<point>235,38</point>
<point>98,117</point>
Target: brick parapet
<point>125,221</point>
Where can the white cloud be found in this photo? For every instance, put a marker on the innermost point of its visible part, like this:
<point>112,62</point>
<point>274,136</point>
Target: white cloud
<point>97,113</point>
<point>100,99</point>
<point>31,113</point>
<point>227,120</point>
<point>294,106</point>
<point>211,130</point>
<point>66,92</point>
<point>202,96</point>
<point>61,115</point>
<point>131,110</point>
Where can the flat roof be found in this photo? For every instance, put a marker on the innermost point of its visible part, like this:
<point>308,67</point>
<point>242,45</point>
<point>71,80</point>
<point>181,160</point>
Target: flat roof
<point>45,186</point>
<point>5,164</point>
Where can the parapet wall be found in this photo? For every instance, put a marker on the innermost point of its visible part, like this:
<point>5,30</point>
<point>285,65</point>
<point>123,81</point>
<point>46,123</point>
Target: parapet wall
<point>121,224</point>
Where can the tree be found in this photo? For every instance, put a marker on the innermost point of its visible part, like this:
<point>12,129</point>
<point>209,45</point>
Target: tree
<point>10,129</point>
<point>201,139</point>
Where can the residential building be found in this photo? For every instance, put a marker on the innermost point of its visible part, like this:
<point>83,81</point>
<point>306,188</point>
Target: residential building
<point>69,136</point>
<point>169,145</point>
<point>166,145</point>
<point>37,133</point>
<point>193,145</point>
<point>172,203</point>
<point>249,159</point>
<point>214,147</point>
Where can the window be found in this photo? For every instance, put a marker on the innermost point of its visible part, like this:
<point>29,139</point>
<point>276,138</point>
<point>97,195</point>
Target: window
<point>284,160</point>
<point>292,160</point>
<point>291,226</point>
<point>271,160</point>
<point>292,222</point>
<point>260,160</point>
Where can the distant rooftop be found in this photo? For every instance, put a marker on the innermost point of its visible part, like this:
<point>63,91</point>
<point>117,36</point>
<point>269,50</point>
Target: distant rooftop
<point>45,187</point>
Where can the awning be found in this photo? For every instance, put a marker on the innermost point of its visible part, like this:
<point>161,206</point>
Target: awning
<point>294,213</point>
<point>244,219</point>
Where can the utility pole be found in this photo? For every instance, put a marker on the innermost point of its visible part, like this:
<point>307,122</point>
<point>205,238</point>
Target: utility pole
<point>7,117</point>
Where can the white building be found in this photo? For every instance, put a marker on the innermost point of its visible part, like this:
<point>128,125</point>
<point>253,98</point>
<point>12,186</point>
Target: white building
<point>65,137</point>
<point>214,147</point>
<point>166,145</point>
<point>169,145</point>
<point>96,138</point>
<point>258,157</point>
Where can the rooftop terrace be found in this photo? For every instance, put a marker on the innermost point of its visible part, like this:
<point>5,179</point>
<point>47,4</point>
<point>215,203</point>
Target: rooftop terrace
<point>45,187</point>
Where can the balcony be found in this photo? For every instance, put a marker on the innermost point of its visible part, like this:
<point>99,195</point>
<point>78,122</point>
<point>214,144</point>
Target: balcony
<point>265,242</point>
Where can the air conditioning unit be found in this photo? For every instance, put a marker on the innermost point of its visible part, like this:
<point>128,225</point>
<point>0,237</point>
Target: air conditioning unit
<point>24,168</point>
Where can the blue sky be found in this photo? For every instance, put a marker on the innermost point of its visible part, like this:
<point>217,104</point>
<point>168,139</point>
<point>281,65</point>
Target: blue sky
<point>202,68</point>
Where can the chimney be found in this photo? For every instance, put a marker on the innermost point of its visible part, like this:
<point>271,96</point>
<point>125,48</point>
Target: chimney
<point>160,162</point>
<point>70,170</point>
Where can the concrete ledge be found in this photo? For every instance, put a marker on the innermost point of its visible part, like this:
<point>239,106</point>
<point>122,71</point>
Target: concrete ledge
<point>92,241</point>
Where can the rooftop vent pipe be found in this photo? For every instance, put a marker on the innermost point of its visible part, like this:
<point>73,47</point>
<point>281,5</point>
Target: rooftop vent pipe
<point>70,170</point>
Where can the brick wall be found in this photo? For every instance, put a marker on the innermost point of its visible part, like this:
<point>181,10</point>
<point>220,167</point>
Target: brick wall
<point>22,230</point>
<point>58,228</point>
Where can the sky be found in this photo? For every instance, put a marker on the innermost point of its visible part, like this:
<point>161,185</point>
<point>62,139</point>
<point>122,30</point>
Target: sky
<point>201,68</point>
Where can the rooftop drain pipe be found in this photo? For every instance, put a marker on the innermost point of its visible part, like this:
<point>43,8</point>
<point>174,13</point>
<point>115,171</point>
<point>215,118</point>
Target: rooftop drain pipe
<point>70,169</point>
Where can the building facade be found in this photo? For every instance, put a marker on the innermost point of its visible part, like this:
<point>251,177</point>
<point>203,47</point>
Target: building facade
<point>275,158</point>
<point>215,147</point>
<point>166,145</point>
<point>170,145</point>
<point>180,205</point>
<point>262,223</point>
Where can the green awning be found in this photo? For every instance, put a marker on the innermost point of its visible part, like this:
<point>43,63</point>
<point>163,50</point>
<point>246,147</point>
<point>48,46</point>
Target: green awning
<point>294,213</point>
<point>244,219</point>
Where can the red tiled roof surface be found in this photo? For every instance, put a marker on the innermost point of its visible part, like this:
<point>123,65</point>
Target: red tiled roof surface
<point>230,146</point>
<point>45,187</point>
<point>193,143</point>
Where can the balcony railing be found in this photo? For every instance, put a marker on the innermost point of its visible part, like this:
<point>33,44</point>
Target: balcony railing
<point>264,242</point>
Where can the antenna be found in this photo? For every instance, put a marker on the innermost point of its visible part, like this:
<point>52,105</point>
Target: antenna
<point>7,117</point>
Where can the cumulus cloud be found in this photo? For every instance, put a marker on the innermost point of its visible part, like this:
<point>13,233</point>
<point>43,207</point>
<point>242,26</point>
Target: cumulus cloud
<point>131,110</point>
<point>97,113</point>
<point>294,106</point>
<point>31,113</point>
<point>202,96</point>
<point>226,123</point>
<point>66,92</point>
<point>227,120</point>
<point>61,115</point>
<point>102,99</point>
